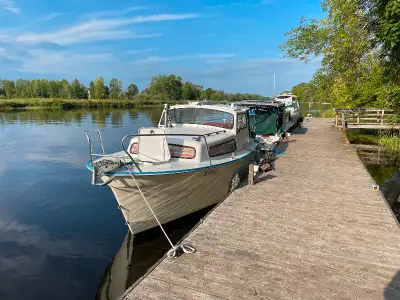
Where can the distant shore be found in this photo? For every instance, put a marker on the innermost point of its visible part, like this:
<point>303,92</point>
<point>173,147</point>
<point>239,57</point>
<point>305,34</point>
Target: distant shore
<point>65,104</point>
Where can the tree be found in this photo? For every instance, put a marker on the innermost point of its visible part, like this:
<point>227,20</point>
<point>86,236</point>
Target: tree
<point>65,89</point>
<point>2,91</point>
<point>190,91</point>
<point>91,89</point>
<point>165,87</point>
<point>99,90</point>
<point>132,91</point>
<point>115,89</point>
<point>78,91</point>
<point>384,27</point>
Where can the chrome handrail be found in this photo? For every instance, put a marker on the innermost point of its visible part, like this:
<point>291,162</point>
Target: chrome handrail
<point>166,135</point>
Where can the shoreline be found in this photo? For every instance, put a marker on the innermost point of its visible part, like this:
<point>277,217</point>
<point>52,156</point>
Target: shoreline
<point>67,104</point>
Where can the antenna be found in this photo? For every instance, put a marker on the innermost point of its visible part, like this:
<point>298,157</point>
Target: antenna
<point>274,86</point>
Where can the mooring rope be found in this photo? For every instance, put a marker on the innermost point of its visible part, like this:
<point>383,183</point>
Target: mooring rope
<point>175,249</point>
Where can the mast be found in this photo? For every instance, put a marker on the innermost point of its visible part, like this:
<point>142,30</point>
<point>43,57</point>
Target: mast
<point>274,86</point>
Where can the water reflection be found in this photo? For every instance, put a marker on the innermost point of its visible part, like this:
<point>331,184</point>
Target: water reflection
<point>138,253</point>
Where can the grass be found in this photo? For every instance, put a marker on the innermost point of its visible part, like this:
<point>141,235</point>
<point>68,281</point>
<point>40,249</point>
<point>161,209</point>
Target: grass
<point>391,141</point>
<point>328,113</point>
<point>64,104</point>
<point>359,137</point>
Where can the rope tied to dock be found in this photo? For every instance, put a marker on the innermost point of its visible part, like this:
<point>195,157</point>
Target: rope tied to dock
<point>176,250</point>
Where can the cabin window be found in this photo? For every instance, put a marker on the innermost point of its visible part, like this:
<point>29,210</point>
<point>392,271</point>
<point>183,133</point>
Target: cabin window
<point>242,121</point>
<point>179,151</point>
<point>224,148</point>
<point>201,116</point>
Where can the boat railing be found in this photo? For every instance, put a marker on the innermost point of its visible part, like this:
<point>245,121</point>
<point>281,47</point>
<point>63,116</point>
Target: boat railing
<point>87,134</point>
<point>204,136</point>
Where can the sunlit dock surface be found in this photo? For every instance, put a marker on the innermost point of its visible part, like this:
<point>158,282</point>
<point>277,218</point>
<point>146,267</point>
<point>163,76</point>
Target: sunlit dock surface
<point>313,229</point>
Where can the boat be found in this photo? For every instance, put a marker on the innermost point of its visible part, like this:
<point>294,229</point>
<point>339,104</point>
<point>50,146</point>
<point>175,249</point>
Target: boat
<point>292,106</point>
<point>271,122</point>
<point>195,157</point>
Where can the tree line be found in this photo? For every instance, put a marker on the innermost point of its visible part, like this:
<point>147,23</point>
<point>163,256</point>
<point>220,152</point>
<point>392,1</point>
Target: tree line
<point>359,44</point>
<point>162,87</point>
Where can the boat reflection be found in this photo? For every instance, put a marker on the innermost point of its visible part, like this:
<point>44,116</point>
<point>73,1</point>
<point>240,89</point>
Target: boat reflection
<point>140,252</point>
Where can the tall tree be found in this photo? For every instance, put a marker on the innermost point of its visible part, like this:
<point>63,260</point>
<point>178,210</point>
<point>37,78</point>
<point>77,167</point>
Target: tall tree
<point>115,86</point>
<point>91,90</point>
<point>9,88</point>
<point>65,89</point>
<point>132,91</point>
<point>99,90</point>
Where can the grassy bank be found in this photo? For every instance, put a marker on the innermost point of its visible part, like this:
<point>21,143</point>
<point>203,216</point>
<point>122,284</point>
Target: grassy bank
<point>391,141</point>
<point>15,104</point>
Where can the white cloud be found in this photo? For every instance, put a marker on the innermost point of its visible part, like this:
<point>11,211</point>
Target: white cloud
<point>117,12</point>
<point>102,29</point>
<point>155,59</point>
<point>52,16</point>
<point>10,6</point>
<point>62,62</point>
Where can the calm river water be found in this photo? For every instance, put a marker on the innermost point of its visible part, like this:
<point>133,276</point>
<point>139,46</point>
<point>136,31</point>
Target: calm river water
<point>58,233</point>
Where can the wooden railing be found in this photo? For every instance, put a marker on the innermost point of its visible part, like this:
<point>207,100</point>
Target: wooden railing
<point>365,118</point>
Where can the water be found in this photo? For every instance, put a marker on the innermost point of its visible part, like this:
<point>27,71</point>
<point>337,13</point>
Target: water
<point>383,166</point>
<point>315,109</point>
<point>58,233</point>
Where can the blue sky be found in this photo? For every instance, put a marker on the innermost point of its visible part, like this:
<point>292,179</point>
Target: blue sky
<point>229,45</point>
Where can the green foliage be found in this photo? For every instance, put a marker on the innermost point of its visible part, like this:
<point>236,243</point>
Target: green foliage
<point>164,88</point>
<point>78,91</point>
<point>359,46</point>
<point>99,90</point>
<point>132,91</point>
<point>115,89</point>
<point>7,104</point>
<point>191,91</point>
<point>391,141</point>
<point>329,113</point>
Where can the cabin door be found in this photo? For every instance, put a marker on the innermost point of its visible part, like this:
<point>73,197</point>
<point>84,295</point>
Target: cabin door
<point>242,131</point>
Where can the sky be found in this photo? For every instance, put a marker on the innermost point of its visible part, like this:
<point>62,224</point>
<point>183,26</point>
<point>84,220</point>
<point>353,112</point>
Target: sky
<point>221,44</point>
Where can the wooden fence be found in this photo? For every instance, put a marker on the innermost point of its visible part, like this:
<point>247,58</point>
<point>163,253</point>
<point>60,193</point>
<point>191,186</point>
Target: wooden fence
<point>368,118</point>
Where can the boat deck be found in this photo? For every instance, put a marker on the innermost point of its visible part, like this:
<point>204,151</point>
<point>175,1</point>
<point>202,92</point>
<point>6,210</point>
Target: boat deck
<point>313,229</point>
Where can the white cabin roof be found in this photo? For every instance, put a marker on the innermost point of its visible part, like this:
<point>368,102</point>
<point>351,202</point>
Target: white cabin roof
<point>227,109</point>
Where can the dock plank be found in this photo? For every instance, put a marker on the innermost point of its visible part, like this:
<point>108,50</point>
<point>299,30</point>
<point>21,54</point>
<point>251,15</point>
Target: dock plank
<point>312,229</point>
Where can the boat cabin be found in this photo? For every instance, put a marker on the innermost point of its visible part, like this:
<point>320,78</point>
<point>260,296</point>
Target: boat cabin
<point>268,117</point>
<point>193,134</point>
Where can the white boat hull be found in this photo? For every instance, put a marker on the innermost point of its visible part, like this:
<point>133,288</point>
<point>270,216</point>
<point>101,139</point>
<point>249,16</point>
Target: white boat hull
<point>175,195</point>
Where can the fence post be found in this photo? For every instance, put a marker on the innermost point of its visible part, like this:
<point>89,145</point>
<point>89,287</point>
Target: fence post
<point>336,118</point>
<point>344,127</point>
<point>383,113</point>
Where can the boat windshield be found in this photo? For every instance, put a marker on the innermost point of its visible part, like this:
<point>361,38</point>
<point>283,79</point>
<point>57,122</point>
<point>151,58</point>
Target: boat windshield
<point>201,116</point>
<point>293,104</point>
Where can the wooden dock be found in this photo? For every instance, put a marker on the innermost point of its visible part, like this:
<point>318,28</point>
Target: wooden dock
<point>312,229</point>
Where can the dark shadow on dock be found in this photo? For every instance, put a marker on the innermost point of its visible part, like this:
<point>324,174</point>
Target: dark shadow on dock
<point>392,290</point>
<point>299,130</point>
<point>264,177</point>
